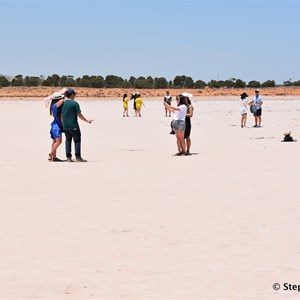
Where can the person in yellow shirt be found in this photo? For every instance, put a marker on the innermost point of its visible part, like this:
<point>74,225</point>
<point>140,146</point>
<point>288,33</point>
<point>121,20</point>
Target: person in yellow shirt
<point>125,105</point>
<point>139,103</point>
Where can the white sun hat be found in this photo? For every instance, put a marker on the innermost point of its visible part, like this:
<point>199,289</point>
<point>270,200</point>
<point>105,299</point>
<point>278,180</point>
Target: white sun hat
<point>187,95</point>
<point>57,96</point>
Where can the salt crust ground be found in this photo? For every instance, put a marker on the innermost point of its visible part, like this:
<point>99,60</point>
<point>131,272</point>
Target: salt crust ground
<point>136,222</point>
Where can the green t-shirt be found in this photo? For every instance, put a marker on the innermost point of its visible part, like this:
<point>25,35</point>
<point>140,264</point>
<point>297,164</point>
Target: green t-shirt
<point>69,112</point>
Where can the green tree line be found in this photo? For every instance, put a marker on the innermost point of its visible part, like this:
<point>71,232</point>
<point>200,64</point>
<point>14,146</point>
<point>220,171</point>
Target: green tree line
<point>113,81</point>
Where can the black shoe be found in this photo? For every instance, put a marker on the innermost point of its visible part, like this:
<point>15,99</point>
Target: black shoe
<point>56,159</point>
<point>172,132</point>
<point>80,159</point>
<point>69,159</point>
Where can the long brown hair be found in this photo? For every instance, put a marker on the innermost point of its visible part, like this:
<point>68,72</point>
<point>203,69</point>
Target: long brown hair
<point>181,100</point>
<point>54,101</point>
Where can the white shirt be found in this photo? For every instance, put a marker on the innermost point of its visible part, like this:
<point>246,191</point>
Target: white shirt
<point>243,106</point>
<point>180,115</point>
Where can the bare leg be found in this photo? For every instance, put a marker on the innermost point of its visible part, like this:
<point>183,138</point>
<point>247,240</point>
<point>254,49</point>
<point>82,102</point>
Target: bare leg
<point>243,120</point>
<point>56,143</point>
<point>178,146</point>
<point>181,140</point>
<point>50,155</point>
<point>188,144</point>
<point>259,120</point>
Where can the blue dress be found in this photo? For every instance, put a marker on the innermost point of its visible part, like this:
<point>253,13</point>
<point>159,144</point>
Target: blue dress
<point>56,125</point>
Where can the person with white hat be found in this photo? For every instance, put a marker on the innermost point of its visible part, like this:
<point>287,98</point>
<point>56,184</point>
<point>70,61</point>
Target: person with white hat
<point>57,100</point>
<point>188,124</point>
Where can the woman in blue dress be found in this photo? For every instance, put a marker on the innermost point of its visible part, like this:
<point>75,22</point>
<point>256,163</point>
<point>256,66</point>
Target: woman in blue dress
<point>56,125</point>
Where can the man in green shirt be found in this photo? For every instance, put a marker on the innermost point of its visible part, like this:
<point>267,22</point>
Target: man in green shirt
<point>70,113</point>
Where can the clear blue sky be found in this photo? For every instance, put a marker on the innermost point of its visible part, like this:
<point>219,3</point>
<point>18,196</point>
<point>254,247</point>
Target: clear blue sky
<point>250,40</point>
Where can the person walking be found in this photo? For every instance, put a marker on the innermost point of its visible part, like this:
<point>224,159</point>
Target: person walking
<point>57,99</point>
<point>243,109</point>
<point>70,113</point>
<point>168,99</point>
<point>257,102</point>
<point>178,123</point>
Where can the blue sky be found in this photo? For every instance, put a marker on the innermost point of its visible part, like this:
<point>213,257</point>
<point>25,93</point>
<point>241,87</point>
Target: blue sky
<point>250,40</point>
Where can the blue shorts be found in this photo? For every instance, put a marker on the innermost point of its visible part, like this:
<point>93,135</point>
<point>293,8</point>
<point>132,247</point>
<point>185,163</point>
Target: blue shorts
<point>55,131</point>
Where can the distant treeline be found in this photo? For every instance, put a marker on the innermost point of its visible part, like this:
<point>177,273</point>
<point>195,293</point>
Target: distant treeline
<point>112,81</point>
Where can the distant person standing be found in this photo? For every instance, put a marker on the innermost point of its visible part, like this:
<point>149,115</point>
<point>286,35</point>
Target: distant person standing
<point>168,100</point>
<point>133,97</point>
<point>243,109</point>
<point>125,105</point>
<point>139,103</point>
<point>70,113</point>
<point>257,102</point>
<point>188,125</point>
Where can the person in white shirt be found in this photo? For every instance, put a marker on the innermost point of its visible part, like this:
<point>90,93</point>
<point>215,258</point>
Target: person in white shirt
<point>178,123</point>
<point>243,109</point>
<point>168,99</point>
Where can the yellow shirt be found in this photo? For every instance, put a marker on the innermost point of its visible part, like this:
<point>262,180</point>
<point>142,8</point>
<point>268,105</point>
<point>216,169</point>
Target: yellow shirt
<point>125,103</point>
<point>138,102</point>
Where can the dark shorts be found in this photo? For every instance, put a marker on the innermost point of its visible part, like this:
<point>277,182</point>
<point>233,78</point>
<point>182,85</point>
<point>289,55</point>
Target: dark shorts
<point>258,113</point>
<point>187,131</point>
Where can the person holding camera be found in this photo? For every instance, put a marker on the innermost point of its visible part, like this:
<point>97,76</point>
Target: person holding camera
<point>178,123</point>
